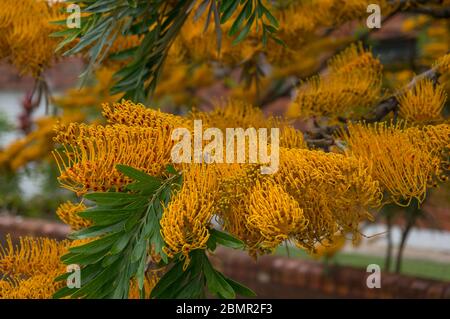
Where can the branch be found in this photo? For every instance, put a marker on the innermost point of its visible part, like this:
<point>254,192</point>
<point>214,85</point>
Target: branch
<point>323,135</point>
<point>391,104</point>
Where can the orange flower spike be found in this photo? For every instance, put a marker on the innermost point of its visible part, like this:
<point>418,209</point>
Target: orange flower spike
<point>68,213</point>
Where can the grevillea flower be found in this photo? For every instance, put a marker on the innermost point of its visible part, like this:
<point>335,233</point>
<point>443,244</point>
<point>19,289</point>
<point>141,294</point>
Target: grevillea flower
<point>40,286</point>
<point>443,64</point>
<point>28,269</point>
<point>436,140</point>
<point>68,213</point>
<point>333,191</point>
<point>352,85</point>
<point>232,206</point>
<point>233,114</point>
<point>239,114</point>
<point>329,247</point>
<point>150,280</point>
<point>25,28</point>
<point>423,103</point>
<point>403,169</point>
<point>32,256</point>
<point>90,154</point>
<point>185,222</point>
<point>273,215</point>
<point>290,137</point>
<point>131,114</point>
<point>36,145</point>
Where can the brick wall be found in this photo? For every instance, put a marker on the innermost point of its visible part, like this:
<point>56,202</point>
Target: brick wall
<point>62,75</point>
<point>18,226</point>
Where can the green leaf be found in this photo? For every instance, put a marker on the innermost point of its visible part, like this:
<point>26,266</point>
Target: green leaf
<point>64,292</point>
<point>103,217</point>
<point>171,170</point>
<point>127,224</point>
<point>137,174</point>
<point>139,250</point>
<point>145,188</point>
<point>216,283</point>
<point>239,288</point>
<point>121,243</point>
<point>95,231</point>
<point>110,259</point>
<point>112,198</point>
<point>170,278</point>
<point>140,274</point>
<point>132,221</point>
<point>84,258</point>
<point>192,289</point>
<point>229,9</point>
<point>273,21</point>
<point>97,245</point>
<point>225,239</point>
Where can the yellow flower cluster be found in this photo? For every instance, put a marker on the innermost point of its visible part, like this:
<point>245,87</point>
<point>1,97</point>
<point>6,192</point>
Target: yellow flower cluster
<point>188,78</point>
<point>313,14</point>
<point>34,146</point>
<point>314,192</point>
<point>36,287</point>
<point>198,45</point>
<point>352,85</point>
<point>311,197</point>
<point>68,213</point>
<point>423,103</point>
<point>131,114</point>
<point>233,113</point>
<point>399,160</point>
<point>186,219</point>
<point>137,137</point>
<point>90,153</point>
<point>415,22</point>
<point>334,191</point>
<point>443,64</point>
<point>24,34</point>
<point>30,267</point>
<point>31,257</point>
<point>274,214</point>
<point>299,21</point>
<point>232,204</point>
<point>328,248</point>
<point>241,114</point>
<point>302,24</point>
<point>150,281</point>
<point>436,140</point>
